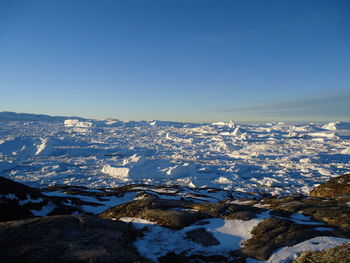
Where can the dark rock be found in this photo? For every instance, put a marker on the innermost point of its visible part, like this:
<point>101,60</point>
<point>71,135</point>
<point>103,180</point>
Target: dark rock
<point>202,237</point>
<point>274,233</point>
<point>340,254</point>
<point>338,216</point>
<point>228,211</point>
<point>168,213</point>
<point>11,196</point>
<point>18,201</point>
<point>329,211</point>
<point>178,214</point>
<point>171,257</point>
<point>180,258</point>
<point>333,188</point>
<point>21,191</point>
<point>67,239</point>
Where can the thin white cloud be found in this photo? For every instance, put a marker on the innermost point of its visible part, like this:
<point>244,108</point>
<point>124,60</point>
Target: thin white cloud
<point>328,105</point>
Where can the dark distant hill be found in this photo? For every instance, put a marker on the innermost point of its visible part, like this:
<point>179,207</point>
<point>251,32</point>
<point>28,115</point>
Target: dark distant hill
<point>13,116</point>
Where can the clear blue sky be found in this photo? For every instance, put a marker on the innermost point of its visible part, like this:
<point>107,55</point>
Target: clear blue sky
<point>177,60</point>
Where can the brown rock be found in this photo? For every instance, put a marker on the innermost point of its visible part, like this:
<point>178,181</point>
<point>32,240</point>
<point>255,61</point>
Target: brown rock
<point>340,254</point>
<point>333,188</point>
<point>175,214</point>
<point>203,237</point>
<point>274,233</point>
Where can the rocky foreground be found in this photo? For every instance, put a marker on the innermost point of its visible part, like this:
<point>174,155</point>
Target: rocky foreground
<point>143,223</point>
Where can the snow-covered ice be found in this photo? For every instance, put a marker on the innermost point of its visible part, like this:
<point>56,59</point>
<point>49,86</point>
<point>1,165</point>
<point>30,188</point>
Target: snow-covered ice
<point>275,158</point>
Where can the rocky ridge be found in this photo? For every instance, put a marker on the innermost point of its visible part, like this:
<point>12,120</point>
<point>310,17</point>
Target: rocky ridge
<point>77,224</point>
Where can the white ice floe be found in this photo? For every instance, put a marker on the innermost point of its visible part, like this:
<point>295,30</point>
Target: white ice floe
<point>333,126</point>
<point>275,158</point>
<point>118,172</point>
<point>77,123</point>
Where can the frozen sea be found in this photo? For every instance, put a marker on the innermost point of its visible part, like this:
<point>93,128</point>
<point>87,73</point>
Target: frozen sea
<point>273,158</point>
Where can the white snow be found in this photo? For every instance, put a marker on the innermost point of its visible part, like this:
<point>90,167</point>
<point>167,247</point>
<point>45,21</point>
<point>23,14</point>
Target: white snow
<point>337,125</point>
<point>45,210</point>
<point>158,241</point>
<point>288,254</point>
<point>30,200</point>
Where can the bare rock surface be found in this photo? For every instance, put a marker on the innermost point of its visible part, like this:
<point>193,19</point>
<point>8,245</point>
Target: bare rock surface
<point>203,237</point>
<point>333,188</point>
<point>274,233</point>
<point>178,214</point>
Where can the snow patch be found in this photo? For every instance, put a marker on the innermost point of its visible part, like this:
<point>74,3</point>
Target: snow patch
<point>288,254</point>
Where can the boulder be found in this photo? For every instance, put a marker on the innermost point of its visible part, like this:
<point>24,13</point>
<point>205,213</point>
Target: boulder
<point>274,233</point>
<point>333,188</point>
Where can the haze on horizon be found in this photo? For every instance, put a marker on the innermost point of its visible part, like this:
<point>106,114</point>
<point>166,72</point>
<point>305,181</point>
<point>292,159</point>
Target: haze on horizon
<point>194,60</point>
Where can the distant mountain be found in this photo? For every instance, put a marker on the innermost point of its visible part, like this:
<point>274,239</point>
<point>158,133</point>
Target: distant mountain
<point>13,116</point>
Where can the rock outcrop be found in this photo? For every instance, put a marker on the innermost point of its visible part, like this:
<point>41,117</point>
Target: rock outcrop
<point>178,214</point>
<point>67,239</point>
<point>333,188</point>
<point>55,235</point>
<point>340,254</point>
<point>274,233</point>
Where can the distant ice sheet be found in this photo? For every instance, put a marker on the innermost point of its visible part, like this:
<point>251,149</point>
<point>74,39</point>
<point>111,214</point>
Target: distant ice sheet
<point>275,158</point>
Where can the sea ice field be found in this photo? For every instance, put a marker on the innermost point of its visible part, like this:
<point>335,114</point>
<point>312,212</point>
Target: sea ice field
<point>271,158</point>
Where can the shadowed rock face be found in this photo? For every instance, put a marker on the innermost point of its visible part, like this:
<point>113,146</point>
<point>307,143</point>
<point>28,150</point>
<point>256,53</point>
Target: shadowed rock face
<point>333,188</point>
<point>18,201</point>
<point>67,239</point>
<point>20,190</point>
<point>203,237</point>
<point>340,254</point>
<point>11,193</point>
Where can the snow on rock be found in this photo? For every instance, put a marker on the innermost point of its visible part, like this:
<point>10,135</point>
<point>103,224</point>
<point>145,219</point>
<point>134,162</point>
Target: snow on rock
<point>158,241</point>
<point>288,254</point>
<point>45,210</point>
